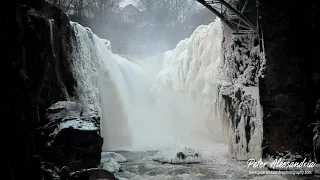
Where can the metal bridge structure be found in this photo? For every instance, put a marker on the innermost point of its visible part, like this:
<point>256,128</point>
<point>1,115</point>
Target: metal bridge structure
<point>233,16</point>
<point>230,15</point>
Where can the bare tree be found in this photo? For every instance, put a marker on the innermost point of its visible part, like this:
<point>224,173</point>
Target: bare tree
<point>173,11</point>
<point>146,5</point>
<point>178,10</point>
<point>91,8</point>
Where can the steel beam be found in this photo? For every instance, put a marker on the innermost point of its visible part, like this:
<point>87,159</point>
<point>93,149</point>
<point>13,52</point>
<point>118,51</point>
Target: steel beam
<point>244,19</point>
<point>228,19</point>
<point>218,14</point>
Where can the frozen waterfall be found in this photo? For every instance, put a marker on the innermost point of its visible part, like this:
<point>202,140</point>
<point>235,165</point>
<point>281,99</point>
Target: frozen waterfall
<point>140,111</point>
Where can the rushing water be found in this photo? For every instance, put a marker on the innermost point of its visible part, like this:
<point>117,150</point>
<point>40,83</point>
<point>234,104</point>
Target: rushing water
<point>216,166</point>
<point>137,112</point>
<point>143,110</point>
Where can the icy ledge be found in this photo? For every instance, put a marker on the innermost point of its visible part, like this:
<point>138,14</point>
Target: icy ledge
<point>178,154</point>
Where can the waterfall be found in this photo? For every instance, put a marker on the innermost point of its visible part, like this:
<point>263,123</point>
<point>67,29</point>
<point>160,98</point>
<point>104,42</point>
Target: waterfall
<point>51,25</point>
<point>141,110</point>
<point>101,83</point>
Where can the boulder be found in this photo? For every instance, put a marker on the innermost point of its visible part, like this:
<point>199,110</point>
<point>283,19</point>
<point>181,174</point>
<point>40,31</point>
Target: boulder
<point>73,135</point>
<point>110,161</point>
<point>93,173</point>
<point>178,154</point>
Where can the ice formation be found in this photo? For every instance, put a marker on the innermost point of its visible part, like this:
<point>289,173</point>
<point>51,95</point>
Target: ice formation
<point>142,110</point>
<point>192,69</point>
<point>178,154</point>
<point>101,83</point>
<point>243,65</point>
<point>221,76</point>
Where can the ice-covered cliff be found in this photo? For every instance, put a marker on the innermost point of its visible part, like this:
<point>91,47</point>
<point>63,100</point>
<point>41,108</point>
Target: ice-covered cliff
<point>243,65</point>
<point>220,72</point>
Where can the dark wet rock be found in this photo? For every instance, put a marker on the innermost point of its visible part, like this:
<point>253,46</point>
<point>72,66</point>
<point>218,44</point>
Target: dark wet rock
<point>37,74</point>
<point>93,173</point>
<point>51,172</point>
<point>73,135</point>
<point>289,90</point>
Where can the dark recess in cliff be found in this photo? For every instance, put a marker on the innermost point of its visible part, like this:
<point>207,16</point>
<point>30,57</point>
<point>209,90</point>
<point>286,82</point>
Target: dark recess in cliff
<point>289,90</point>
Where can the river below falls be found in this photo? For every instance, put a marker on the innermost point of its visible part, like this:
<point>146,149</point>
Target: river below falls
<point>216,165</point>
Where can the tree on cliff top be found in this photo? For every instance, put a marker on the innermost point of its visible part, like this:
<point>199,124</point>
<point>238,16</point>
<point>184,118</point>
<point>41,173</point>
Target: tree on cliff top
<point>87,8</point>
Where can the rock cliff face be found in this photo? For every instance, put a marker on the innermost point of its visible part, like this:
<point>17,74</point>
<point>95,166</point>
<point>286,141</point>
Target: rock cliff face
<point>243,64</point>
<point>288,82</point>
<point>38,74</point>
<point>290,88</point>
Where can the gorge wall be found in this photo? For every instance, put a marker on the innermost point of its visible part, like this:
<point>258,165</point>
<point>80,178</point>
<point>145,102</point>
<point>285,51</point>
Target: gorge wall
<point>243,64</point>
<point>285,77</point>
<point>289,89</point>
<point>38,74</point>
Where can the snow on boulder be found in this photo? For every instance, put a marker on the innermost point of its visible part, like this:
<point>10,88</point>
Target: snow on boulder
<point>110,161</point>
<point>107,156</point>
<point>73,135</point>
<point>178,154</point>
<point>70,115</point>
<point>111,166</point>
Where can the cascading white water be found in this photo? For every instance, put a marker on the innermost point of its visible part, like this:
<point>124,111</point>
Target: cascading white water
<point>100,82</point>
<point>140,112</point>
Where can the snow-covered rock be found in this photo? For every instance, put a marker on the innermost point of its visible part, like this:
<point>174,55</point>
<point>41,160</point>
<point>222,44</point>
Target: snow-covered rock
<point>110,161</point>
<point>107,156</point>
<point>178,154</point>
<point>71,115</point>
<point>243,64</point>
<point>111,166</point>
<point>73,134</point>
